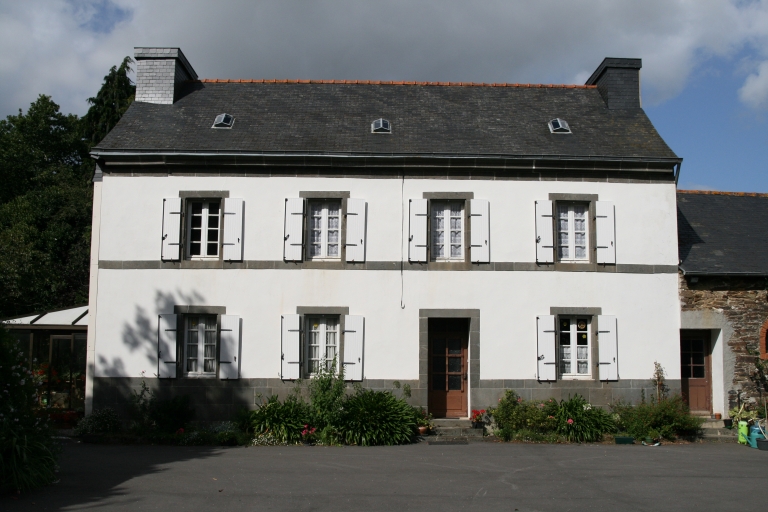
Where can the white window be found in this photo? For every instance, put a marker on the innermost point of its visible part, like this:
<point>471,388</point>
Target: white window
<point>572,232</point>
<point>203,225</point>
<point>324,228</point>
<point>322,335</point>
<point>200,341</point>
<point>448,230</point>
<point>575,346</point>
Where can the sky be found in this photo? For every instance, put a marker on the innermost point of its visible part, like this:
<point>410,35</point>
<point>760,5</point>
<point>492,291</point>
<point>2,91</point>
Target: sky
<point>704,76</point>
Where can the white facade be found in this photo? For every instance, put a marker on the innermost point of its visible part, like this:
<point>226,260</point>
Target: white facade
<point>642,295</point>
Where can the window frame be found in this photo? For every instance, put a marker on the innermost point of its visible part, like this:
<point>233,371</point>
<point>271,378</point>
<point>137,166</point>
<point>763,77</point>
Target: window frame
<point>591,347</point>
<point>447,215</point>
<point>341,229</point>
<point>184,323</point>
<point>570,205</point>
<point>306,363</point>
<point>578,265</point>
<point>187,232</point>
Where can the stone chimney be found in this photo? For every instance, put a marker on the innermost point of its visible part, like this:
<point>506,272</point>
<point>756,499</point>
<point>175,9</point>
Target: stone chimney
<point>618,81</point>
<point>158,73</point>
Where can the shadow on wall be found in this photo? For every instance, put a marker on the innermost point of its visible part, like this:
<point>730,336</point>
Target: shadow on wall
<point>95,476</point>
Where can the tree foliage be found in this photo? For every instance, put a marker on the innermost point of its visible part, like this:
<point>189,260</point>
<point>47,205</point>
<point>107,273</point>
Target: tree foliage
<point>46,197</point>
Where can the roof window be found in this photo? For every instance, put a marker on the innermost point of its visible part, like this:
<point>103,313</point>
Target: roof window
<point>559,126</point>
<point>223,121</point>
<point>381,126</point>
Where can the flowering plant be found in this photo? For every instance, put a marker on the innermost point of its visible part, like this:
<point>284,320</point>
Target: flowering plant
<point>477,415</point>
<point>308,434</point>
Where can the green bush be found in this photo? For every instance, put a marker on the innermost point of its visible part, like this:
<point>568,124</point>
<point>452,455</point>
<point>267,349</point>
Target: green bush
<point>152,415</point>
<point>27,450</point>
<point>100,421</point>
<point>574,419</point>
<point>578,421</point>
<point>283,421</point>
<point>670,417</point>
<point>377,418</point>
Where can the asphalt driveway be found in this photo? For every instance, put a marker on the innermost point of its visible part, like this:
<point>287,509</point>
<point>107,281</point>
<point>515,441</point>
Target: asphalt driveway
<point>478,477</point>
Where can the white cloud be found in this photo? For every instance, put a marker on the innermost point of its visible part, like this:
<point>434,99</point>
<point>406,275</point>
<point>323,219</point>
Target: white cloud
<point>65,47</point>
<point>754,92</point>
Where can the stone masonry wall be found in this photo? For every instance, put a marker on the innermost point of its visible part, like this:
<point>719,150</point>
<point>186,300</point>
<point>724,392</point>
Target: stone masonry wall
<point>743,302</point>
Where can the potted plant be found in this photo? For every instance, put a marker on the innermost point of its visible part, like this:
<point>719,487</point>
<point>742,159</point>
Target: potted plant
<point>423,422</point>
<point>478,418</point>
<point>652,438</point>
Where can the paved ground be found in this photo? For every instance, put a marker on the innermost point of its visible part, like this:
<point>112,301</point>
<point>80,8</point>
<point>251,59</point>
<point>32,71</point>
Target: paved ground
<point>479,477</point>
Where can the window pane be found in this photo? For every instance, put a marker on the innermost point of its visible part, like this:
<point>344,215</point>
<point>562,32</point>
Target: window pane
<point>314,250</point>
<point>194,249</point>
<point>197,221</point>
<point>438,364</point>
<point>565,338</point>
<point>454,346</point>
<point>455,251</point>
<point>213,208</point>
<point>581,338</point>
<point>565,366</point>
<point>697,345</point>
<point>454,382</point>
<point>565,352</point>
<point>438,382</point>
<point>438,346</point>
<point>454,364</point>
<point>698,372</point>
<point>213,235</point>
<point>582,352</point>
<point>333,250</point>
<point>197,208</point>
<point>685,371</point>
<point>697,359</point>
<point>685,345</point>
<point>582,365</point>
<point>213,249</point>
<point>439,251</point>
<point>333,237</point>
<point>455,237</point>
<point>565,324</point>
<point>213,221</point>
<point>333,222</point>
<point>455,223</point>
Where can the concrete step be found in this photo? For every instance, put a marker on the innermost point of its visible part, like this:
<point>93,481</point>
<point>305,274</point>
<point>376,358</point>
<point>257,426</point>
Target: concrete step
<point>452,423</point>
<point>458,432</point>
<point>719,434</point>
<point>713,424</point>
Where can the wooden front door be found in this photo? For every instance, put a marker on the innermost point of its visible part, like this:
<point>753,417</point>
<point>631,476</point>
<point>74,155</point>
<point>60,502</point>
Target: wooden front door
<point>696,370</point>
<point>448,342</point>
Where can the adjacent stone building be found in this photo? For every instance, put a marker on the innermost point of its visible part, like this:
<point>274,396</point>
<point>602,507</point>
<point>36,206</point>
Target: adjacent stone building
<point>723,240</point>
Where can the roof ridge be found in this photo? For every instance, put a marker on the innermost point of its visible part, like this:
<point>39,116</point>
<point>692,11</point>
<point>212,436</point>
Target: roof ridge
<point>720,193</point>
<point>389,82</point>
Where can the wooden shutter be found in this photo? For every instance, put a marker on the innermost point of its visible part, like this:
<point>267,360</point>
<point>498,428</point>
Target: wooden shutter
<point>608,348</point>
<point>233,229</point>
<point>229,347</point>
<point>545,239</point>
<point>417,230</point>
<point>479,244</point>
<point>290,364</point>
<point>605,227</point>
<point>167,335</point>
<point>547,362</point>
<point>171,247</point>
<point>354,334</point>
<point>293,248</point>
<point>356,219</point>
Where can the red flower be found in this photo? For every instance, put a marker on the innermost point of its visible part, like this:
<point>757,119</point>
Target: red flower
<point>570,421</point>
<point>180,431</point>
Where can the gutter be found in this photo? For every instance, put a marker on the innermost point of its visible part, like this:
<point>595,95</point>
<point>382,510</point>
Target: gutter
<point>696,273</point>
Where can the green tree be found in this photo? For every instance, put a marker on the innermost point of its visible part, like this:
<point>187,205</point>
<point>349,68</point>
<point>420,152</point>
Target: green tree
<point>110,103</point>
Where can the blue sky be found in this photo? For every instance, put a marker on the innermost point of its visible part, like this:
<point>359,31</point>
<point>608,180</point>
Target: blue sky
<point>704,76</point>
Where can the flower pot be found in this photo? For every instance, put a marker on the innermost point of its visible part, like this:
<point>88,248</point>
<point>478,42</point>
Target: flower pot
<point>624,440</point>
<point>477,424</point>
<point>423,431</point>
<point>718,416</point>
<point>762,444</point>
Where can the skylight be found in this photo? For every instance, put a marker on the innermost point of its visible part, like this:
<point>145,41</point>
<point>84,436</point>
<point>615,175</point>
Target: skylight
<point>559,126</point>
<point>381,126</point>
<point>223,121</point>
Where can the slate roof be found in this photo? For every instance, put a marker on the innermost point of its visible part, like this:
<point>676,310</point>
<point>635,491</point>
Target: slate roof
<point>335,118</point>
<point>722,233</point>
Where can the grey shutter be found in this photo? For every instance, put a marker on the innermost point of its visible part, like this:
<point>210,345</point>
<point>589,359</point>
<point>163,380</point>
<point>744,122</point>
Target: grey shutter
<point>479,218</point>
<point>417,230</point>
<point>547,362</point>
<point>545,240</point>
<point>605,227</point>
<point>356,219</point>
<point>167,335</point>
<point>354,335</point>
<point>229,347</point>
<point>293,248</point>
<point>608,349</point>
<point>171,244</point>
<point>233,229</point>
<point>290,364</point>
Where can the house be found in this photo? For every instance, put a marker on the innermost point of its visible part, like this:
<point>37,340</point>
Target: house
<point>724,312</point>
<point>461,238</point>
<point>56,341</point>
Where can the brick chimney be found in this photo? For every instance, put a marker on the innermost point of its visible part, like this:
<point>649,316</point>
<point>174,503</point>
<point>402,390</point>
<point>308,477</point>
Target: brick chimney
<point>158,72</point>
<point>618,81</point>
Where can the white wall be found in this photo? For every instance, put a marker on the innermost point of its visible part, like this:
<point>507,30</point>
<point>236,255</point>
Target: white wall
<point>646,219</point>
<point>646,305</point>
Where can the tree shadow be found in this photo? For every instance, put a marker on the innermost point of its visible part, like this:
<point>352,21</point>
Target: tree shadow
<point>93,476</point>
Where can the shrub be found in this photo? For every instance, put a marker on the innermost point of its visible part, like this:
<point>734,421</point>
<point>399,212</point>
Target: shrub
<point>282,421</point>
<point>27,450</point>
<point>513,414</point>
<point>527,436</point>
<point>100,421</point>
<point>152,415</point>
<point>377,418</point>
<point>670,417</point>
<point>578,421</point>
<point>327,393</point>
